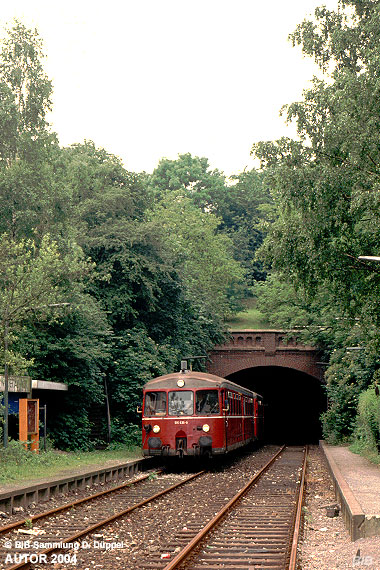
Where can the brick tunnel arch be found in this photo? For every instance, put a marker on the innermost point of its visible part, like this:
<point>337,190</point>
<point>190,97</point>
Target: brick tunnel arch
<point>252,348</point>
<point>294,401</point>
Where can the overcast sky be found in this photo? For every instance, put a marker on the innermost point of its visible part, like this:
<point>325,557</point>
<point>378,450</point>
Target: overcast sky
<point>148,79</point>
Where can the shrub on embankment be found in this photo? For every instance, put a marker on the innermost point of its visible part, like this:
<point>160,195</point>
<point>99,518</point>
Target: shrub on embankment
<point>366,437</point>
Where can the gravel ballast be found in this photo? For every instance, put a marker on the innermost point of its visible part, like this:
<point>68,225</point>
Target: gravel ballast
<point>326,544</point>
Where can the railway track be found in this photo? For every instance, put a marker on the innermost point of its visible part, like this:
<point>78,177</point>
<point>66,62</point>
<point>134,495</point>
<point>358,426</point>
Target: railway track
<point>66,524</point>
<point>235,538</point>
<point>65,506</point>
<point>257,529</point>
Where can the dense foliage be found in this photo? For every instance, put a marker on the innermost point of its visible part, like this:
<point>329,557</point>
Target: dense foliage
<point>239,204</point>
<point>326,189</point>
<point>108,276</point>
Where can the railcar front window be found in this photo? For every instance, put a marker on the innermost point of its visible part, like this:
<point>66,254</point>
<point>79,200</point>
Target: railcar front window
<point>155,404</point>
<point>207,402</point>
<point>181,403</point>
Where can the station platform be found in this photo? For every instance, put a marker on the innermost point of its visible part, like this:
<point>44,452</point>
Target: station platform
<point>21,494</point>
<point>357,490</point>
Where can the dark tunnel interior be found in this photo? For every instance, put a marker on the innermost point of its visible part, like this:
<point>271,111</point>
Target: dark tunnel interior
<point>293,403</point>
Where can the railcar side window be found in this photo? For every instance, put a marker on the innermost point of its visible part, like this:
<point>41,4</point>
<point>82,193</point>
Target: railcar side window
<point>207,402</point>
<point>155,404</point>
<point>181,403</point>
<point>231,404</point>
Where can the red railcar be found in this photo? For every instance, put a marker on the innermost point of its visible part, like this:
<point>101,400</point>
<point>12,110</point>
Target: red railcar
<point>193,413</point>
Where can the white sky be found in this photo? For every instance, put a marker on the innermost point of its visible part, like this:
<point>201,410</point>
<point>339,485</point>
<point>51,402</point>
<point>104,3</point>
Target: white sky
<point>148,79</point>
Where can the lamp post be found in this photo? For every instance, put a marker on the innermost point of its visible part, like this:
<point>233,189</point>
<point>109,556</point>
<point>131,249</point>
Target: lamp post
<point>6,385</point>
<point>369,257</point>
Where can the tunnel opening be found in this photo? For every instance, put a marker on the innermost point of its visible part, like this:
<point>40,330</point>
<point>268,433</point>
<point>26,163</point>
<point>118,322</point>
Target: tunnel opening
<point>293,403</point>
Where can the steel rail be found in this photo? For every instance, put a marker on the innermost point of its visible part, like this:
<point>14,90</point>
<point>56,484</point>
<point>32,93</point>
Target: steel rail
<point>67,506</point>
<point>181,556</point>
<point>298,517</point>
<point>105,521</point>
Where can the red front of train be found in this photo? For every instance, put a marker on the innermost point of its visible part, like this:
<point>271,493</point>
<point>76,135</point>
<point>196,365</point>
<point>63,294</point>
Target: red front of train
<point>193,413</point>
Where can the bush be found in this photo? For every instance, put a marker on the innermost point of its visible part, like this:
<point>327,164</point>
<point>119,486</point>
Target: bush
<point>16,460</point>
<point>72,433</point>
<point>15,451</point>
<point>339,420</point>
<point>367,430</point>
<point>124,435</point>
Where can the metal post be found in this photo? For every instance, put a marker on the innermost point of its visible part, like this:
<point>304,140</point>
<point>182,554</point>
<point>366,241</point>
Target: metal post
<point>6,386</point>
<point>45,430</point>
<point>107,411</point>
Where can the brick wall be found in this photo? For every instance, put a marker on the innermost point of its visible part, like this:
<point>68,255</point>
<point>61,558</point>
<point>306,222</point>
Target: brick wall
<point>248,349</point>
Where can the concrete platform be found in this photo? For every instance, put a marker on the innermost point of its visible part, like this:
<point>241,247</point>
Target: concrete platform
<point>39,490</point>
<point>357,490</point>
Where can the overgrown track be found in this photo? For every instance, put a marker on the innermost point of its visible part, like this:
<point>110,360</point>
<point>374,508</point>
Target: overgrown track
<point>67,506</point>
<point>70,522</point>
<point>257,529</point>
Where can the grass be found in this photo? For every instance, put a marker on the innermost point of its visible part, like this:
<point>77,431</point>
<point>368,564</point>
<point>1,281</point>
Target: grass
<point>17,464</point>
<point>250,318</point>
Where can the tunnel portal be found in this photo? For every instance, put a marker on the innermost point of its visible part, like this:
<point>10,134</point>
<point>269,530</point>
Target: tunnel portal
<point>293,402</point>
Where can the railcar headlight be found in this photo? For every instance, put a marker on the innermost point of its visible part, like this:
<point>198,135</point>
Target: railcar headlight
<point>205,428</point>
<point>156,429</point>
<point>180,383</point>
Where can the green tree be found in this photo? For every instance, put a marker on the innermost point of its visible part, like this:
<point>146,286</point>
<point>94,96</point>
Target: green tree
<point>202,255</point>
<point>102,191</point>
<point>27,95</point>
<point>33,197</point>
<point>136,281</point>
<point>74,348</point>
<point>37,199</point>
<point>240,203</point>
<point>191,177</point>
<point>246,209</point>
<point>31,279</point>
<point>148,292</point>
<point>325,186</point>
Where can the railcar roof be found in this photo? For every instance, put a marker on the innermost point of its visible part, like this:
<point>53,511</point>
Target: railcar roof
<point>195,380</point>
